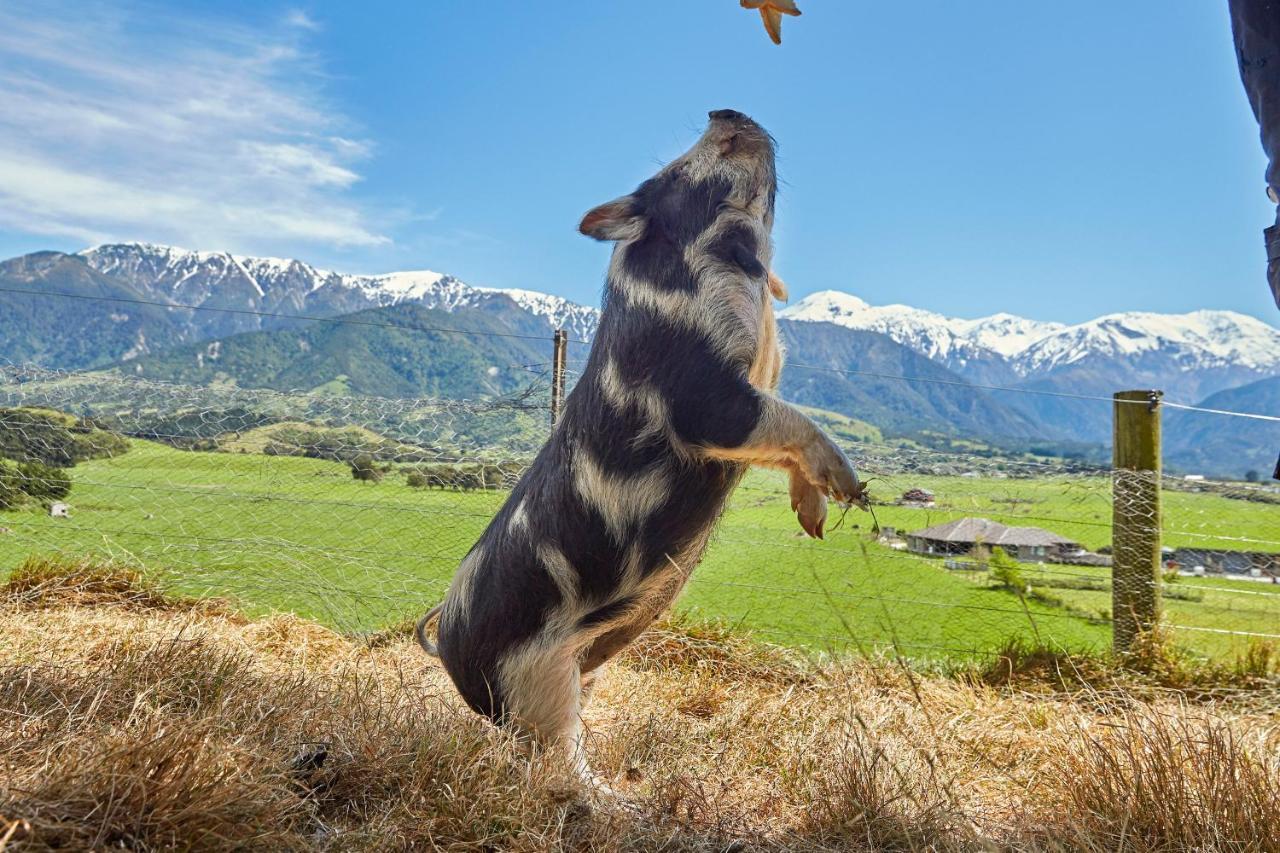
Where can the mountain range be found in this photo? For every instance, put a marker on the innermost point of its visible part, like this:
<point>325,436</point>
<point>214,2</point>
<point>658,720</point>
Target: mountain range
<point>250,321</point>
<point>1188,355</point>
<point>279,286</point>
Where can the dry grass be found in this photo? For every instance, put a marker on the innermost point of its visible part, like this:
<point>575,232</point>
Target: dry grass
<point>131,720</point>
<point>1153,664</point>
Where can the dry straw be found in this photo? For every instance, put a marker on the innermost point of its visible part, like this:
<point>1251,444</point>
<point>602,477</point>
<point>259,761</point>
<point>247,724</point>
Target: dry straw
<point>132,720</point>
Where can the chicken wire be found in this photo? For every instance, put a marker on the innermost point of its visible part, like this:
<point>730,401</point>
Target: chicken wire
<point>356,511</point>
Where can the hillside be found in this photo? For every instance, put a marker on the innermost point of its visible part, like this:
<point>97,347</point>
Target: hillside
<point>945,403</point>
<point>357,358</point>
<point>376,353</point>
<point>1102,375</point>
<point>137,720</point>
<point>79,332</point>
<point>1222,446</point>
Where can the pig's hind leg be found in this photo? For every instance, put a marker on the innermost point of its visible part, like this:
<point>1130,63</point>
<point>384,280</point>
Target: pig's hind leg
<point>542,698</point>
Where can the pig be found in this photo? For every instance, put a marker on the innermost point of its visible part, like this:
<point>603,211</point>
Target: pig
<point>676,401</point>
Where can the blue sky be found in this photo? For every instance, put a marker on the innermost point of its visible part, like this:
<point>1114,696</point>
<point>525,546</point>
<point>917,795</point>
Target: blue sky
<point>1056,161</point>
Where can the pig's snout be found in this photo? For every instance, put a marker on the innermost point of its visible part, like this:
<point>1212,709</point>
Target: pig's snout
<point>729,115</point>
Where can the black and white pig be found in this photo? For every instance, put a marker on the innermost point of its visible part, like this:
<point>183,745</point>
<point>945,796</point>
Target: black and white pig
<point>603,530</point>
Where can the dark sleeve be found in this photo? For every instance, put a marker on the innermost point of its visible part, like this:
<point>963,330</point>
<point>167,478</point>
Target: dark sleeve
<point>1255,24</point>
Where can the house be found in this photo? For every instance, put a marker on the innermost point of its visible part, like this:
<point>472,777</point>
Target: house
<point>1026,544</point>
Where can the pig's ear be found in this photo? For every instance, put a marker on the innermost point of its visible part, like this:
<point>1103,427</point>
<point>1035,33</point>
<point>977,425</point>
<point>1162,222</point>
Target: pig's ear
<point>618,220</point>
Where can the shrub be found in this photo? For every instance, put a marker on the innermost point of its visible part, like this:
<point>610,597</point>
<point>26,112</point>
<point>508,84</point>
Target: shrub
<point>184,429</point>
<point>38,435</point>
<point>11,493</point>
<point>43,482</point>
<point>364,468</point>
<point>31,480</point>
<point>417,480</point>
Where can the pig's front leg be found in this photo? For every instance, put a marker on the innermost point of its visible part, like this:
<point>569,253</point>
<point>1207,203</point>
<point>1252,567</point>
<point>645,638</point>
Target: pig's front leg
<point>783,437</point>
<point>808,503</point>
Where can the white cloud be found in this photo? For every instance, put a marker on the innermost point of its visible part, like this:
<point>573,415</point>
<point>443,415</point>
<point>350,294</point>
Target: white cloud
<point>137,124</point>
<point>300,19</point>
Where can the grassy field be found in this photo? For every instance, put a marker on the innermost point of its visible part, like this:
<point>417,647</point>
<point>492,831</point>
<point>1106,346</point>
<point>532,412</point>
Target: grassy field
<point>301,535</point>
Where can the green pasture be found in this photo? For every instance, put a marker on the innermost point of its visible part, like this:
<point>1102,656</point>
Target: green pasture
<point>299,534</point>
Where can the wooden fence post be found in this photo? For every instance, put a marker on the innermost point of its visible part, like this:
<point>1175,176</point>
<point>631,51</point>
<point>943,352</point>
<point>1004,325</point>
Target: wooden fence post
<point>1135,516</point>
<point>561,341</point>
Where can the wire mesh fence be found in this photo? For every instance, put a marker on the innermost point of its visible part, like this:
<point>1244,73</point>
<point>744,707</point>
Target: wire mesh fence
<point>356,511</point>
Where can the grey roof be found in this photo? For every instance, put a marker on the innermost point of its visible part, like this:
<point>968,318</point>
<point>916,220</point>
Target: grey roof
<point>974,530</point>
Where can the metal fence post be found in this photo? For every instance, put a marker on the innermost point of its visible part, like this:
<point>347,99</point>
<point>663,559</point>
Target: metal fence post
<point>1135,515</point>
<point>561,341</point>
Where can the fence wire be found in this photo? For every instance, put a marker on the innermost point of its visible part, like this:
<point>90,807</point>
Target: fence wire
<point>357,510</point>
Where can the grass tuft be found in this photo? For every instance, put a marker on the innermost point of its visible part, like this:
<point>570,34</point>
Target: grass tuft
<point>1154,780</point>
<point>49,582</point>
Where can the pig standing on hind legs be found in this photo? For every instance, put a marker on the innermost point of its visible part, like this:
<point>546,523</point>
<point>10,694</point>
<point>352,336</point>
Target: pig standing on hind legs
<point>601,533</point>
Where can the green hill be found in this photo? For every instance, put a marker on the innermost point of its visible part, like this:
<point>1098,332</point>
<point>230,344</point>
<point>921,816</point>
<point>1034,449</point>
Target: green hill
<point>78,331</point>
<point>944,402</point>
<point>1222,445</point>
<point>385,352</point>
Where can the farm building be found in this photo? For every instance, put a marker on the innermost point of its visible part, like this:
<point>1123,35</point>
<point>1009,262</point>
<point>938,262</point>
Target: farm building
<point>1218,561</point>
<point>1027,544</point>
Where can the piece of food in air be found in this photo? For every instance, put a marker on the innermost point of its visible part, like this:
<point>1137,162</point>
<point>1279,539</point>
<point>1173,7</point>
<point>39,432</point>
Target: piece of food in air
<point>772,11</point>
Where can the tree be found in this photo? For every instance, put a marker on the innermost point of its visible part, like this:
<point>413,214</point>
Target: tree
<point>1252,475</point>
<point>1006,571</point>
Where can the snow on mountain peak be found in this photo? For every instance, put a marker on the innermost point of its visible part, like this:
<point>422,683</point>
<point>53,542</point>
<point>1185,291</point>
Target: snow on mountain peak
<point>825,306</point>
<point>1199,340</point>
<point>927,332</point>
<point>1202,339</point>
<point>1006,334</point>
<point>192,278</point>
<point>410,285</point>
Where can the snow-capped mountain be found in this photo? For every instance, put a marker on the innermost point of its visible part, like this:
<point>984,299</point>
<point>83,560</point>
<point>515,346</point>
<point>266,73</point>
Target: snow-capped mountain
<point>1005,334</point>
<point>278,285</point>
<point>981,349</point>
<point>1197,353</point>
<point>1199,340</point>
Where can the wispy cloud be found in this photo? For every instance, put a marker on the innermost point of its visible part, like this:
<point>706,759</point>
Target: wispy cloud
<point>299,18</point>
<point>130,123</point>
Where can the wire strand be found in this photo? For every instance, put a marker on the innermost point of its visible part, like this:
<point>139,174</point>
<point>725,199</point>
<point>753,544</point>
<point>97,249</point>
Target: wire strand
<point>1252,415</point>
